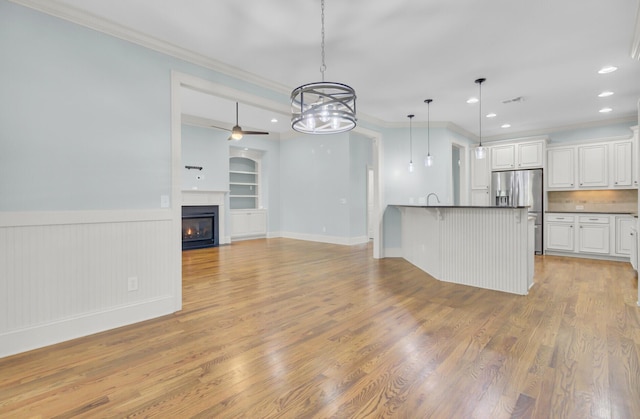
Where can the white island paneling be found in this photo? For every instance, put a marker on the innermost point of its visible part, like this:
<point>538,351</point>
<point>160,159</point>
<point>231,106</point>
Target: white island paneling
<point>481,247</point>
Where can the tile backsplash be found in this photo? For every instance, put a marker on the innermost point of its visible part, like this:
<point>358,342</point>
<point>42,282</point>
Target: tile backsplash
<point>624,200</point>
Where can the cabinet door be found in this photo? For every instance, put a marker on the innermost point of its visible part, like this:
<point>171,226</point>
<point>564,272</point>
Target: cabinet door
<point>592,166</point>
<point>624,237</point>
<point>503,157</point>
<point>593,238</point>
<point>480,172</point>
<point>530,155</point>
<point>560,168</point>
<point>239,224</point>
<point>560,236</point>
<point>257,222</point>
<point>622,169</point>
<point>480,197</point>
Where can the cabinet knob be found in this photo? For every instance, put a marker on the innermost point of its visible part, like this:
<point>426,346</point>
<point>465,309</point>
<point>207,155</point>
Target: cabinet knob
<point>616,183</point>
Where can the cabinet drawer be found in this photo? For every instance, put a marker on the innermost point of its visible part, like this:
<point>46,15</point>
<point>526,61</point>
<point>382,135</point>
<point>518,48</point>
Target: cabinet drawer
<point>560,218</point>
<point>583,219</point>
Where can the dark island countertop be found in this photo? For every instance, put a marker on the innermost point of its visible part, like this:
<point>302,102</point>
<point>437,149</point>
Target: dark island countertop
<point>454,206</point>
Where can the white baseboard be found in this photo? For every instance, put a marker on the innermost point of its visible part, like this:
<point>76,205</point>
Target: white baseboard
<point>23,340</point>
<point>345,241</point>
<point>392,252</point>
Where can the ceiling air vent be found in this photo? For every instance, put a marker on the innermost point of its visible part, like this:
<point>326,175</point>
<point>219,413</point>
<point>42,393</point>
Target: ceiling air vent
<point>514,100</point>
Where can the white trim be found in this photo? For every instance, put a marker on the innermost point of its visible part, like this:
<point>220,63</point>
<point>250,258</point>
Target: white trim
<point>635,43</point>
<point>114,29</point>
<point>393,252</point>
<point>591,141</point>
<point>345,241</point>
<point>23,340</point>
<point>42,218</point>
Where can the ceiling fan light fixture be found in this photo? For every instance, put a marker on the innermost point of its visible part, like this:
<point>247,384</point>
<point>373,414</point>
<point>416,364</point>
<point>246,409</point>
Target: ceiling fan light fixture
<point>323,107</point>
<point>236,133</point>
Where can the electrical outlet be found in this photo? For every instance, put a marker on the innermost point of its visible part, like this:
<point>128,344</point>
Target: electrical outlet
<point>132,283</point>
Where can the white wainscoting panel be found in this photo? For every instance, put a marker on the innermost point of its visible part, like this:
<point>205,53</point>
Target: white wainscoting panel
<point>61,273</point>
<point>480,247</point>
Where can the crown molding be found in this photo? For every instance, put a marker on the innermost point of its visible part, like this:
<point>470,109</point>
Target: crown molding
<point>547,131</point>
<point>73,15</point>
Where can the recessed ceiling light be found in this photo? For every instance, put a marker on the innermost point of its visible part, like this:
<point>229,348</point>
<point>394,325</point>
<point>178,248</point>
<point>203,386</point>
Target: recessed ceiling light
<point>505,126</point>
<point>605,110</point>
<point>491,115</point>
<point>605,94</point>
<point>472,100</point>
<point>274,120</point>
<point>607,69</point>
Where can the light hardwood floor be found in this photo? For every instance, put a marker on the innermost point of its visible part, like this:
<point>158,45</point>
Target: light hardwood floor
<point>294,329</point>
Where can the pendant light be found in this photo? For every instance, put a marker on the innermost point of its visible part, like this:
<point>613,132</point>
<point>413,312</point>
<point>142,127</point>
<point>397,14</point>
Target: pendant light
<point>323,107</point>
<point>481,152</point>
<point>410,144</point>
<point>428,161</point>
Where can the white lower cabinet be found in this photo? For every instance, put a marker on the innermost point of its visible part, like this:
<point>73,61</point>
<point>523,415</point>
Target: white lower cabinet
<point>603,235</point>
<point>593,235</point>
<point>560,233</point>
<point>247,223</point>
<point>624,235</point>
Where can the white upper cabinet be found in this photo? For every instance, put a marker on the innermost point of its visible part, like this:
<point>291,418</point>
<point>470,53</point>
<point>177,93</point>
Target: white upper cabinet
<point>503,157</point>
<point>592,166</point>
<point>561,168</point>
<point>621,167</point>
<point>602,165</point>
<point>516,156</point>
<point>530,155</point>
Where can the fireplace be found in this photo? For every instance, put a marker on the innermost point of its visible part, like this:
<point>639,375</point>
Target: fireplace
<point>199,226</point>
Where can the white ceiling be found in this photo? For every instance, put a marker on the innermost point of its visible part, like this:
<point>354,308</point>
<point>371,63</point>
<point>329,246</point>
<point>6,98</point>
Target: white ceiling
<point>397,53</point>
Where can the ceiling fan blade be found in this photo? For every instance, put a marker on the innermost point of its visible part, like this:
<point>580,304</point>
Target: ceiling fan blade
<point>222,128</point>
<point>255,133</point>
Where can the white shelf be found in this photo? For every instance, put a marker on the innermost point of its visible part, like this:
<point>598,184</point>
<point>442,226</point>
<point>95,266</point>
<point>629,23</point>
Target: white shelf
<point>243,184</point>
<point>243,196</point>
<point>242,173</point>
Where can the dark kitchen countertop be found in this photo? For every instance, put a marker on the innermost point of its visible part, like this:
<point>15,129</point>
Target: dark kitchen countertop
<point>593,212</point>
<point>451,206</point>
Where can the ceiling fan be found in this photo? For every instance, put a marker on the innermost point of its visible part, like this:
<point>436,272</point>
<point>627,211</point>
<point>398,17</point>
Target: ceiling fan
<point>237,132</point>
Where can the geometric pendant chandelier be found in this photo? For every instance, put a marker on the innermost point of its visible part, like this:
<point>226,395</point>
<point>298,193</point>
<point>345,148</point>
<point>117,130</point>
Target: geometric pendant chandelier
<point>323,107</point>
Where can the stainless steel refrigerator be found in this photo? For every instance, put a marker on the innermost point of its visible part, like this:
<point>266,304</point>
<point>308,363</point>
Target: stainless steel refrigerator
<point>520,188</point>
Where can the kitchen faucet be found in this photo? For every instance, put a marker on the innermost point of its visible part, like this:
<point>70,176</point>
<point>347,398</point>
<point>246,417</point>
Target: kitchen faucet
<point>429,196</point>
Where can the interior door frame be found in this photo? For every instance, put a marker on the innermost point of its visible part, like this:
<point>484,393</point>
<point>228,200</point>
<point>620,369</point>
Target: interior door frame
<point>180,80</point>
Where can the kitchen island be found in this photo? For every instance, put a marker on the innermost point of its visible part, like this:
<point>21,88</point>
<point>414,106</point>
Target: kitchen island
<point>485,247</point>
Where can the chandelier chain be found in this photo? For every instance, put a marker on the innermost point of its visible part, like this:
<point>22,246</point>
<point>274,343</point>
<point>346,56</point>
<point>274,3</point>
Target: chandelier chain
<point>323,67</point>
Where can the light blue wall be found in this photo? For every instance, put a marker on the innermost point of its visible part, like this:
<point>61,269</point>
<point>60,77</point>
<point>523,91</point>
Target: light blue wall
<point>209,149</point>
<point>85,117</point>
<point>361,158</point>
<point>314,172</point>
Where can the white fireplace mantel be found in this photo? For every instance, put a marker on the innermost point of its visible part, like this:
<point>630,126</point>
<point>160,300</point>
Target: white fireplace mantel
<point>200,197</point>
